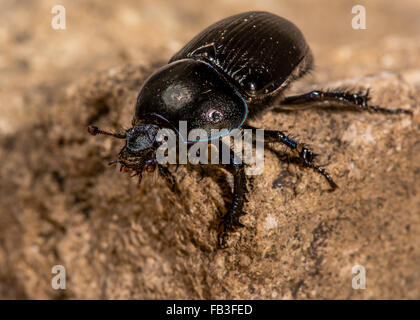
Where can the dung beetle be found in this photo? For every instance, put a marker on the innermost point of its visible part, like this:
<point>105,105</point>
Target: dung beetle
<point>230,72</point>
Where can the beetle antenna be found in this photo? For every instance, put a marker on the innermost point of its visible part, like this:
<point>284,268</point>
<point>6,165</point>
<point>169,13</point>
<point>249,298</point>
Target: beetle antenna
<point>95,130</point>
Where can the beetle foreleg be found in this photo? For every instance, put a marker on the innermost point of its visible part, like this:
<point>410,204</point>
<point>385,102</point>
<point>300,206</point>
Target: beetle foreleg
<point>230,220</point>
<point>168,176</point>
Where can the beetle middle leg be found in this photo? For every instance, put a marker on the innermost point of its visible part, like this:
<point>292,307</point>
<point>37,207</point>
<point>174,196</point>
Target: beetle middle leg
<point>230,221</point>
<point>306,155</point>
<point>358,99</point>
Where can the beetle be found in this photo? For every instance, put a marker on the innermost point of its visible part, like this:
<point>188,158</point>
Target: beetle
<point>229,73</point>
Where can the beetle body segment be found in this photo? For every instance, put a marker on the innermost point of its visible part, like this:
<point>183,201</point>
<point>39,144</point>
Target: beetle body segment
<point>258,51</point>
<point>238,60</point>
<point>192,91</point>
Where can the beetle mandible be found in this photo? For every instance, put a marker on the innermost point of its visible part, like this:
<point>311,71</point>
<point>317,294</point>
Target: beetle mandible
<point>230,72</point>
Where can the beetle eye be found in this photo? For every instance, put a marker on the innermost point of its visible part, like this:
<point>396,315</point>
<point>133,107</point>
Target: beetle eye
<point>215,116</point>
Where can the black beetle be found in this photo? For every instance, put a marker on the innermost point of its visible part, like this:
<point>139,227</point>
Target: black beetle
<point>228,73</point>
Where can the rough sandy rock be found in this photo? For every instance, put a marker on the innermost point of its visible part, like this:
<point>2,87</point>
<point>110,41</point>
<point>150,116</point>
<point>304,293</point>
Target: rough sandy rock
<point>64,205</point>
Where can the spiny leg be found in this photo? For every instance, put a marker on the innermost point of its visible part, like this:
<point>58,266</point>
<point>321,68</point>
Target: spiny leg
<point>353,99</point>
<point>302,152</point>
<point>169,177</point>
<point>230,221</point>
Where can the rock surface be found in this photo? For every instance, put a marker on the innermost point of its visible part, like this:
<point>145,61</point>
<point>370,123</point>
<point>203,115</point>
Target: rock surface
<point>62,204</point>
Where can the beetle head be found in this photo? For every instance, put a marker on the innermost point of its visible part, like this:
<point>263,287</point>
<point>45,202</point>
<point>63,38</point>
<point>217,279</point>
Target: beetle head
<point>139,151</point>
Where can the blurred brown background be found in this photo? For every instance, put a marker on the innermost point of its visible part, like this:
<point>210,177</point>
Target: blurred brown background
<point>43,75</point>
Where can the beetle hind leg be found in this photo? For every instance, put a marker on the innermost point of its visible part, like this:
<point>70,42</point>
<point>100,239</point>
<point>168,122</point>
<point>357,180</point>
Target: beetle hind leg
<point>359,99</point>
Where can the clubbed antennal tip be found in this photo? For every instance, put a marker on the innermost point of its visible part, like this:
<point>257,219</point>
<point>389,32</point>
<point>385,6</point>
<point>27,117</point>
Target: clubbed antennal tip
<point>95,130</point>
